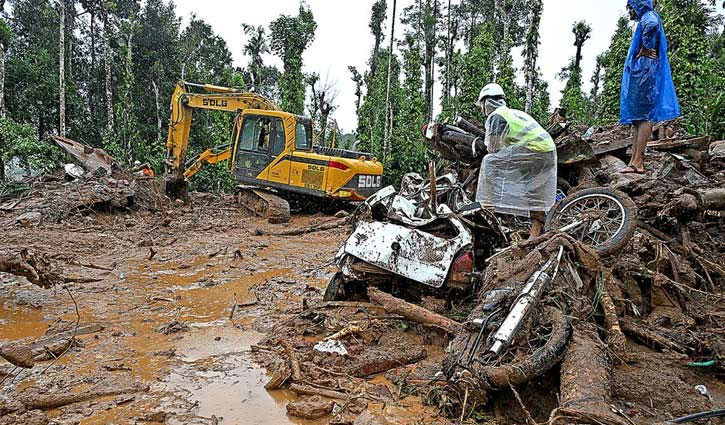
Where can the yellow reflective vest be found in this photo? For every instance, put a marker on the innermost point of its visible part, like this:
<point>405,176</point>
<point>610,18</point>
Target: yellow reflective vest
<point>525,131</point>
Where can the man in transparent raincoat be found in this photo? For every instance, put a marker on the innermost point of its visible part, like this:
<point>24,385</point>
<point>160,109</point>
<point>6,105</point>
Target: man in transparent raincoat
<point>518,175</point>
<point>648,93</point>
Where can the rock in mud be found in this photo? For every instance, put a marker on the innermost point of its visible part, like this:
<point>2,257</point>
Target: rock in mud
<point>19,355</point>
<point>29,219</point>
<point>173,328</point>
<point>32,417</point>
<point>310,407</point>
<point>10,404</point>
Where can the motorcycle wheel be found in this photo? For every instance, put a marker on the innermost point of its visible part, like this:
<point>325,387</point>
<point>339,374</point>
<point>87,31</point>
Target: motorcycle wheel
<point>335,289</point>
<point>611,216</point>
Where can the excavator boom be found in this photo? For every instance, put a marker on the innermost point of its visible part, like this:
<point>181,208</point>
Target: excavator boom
<point>216,98</point>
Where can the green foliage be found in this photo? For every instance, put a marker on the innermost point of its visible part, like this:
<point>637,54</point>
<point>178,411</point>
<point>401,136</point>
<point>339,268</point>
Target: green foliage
<point>290,37</point>
<point>686,23</point>
<point>21,141</point>
<point>371,119</point>
<point>506,78</point>
<point>542,102</point>
<point>262,78</point>
<point>475,70</point>
<point>5,33</point>
<point>407,152</point>
<point>377,28</point>
<point>32,60</point>
<point>573,99</point>
<point>613,66</point>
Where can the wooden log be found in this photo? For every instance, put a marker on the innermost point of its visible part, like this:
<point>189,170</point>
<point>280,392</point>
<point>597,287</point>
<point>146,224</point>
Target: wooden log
<point>311,229</point>
<point>34,400</point>
<point>413,312</point>
<point>294,363</point>
<point>650,338</point>
<point>584,386</point>
<point>378,360</point>
<point>34,267</point>
<point>616,339</point>
<point>278,379</point>
<point>308,390</point>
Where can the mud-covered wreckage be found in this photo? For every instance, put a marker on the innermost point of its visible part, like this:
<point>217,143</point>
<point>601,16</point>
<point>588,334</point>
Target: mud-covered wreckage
<point>605,272</point>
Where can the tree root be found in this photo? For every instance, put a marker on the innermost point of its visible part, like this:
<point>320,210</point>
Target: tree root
<point>34,267</point>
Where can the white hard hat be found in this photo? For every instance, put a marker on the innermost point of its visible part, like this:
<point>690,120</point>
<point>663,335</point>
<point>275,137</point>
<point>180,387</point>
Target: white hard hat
<point>491,90</point>
<point>137,163</point>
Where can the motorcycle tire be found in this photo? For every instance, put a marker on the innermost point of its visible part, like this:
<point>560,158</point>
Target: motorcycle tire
<point>621,209</point>
<point>335,289</point>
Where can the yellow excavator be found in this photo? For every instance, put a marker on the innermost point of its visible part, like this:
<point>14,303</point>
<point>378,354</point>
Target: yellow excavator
<point>271,153</point>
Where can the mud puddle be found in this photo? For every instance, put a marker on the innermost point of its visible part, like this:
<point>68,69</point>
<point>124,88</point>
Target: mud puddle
<point>218,377</point>
<point>20,322</point>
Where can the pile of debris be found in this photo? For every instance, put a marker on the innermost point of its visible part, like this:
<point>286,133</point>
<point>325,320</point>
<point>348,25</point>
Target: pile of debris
<point>98,185</point>
<point>634,337</point>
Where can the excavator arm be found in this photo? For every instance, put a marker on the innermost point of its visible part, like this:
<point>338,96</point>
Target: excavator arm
<point>183,103</point>
<point>209,156</point>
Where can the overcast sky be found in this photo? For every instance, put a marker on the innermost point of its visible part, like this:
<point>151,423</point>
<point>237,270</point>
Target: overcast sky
<point>343,37</point>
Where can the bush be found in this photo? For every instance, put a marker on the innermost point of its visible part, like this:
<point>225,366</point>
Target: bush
<point>20,141</point>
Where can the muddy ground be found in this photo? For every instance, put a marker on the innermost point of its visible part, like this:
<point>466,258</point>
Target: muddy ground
<point>197,371</point>
<point>164,295</point>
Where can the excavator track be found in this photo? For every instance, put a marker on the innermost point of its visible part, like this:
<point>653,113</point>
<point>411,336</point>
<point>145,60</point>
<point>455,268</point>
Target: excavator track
<point>263,204</point>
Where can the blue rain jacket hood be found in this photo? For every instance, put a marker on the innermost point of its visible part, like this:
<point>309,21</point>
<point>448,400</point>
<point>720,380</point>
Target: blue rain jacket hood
<point>641,6</point>
<point>648,92</point>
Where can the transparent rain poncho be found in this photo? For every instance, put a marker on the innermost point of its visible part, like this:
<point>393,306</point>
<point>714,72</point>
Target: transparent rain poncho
<point>515,179</point>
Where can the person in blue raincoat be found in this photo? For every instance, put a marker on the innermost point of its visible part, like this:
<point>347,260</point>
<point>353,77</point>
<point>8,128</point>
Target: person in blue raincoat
<point>648,93</point>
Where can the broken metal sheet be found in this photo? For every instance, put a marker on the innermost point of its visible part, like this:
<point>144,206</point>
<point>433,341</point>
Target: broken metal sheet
<point>606,146</point>
<point>717,150</point>
<point>90,158</point>
<point>410,253</point>
<point>381,195</point>
<point>331,346</point>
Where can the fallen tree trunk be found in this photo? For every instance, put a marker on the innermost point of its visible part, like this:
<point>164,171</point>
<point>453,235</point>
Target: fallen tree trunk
<point>413,312</point>
<point>650,338</point>
<point>691,202</point>
<point>294,363</point>
<point>585,391</point>
<point>616,339</point>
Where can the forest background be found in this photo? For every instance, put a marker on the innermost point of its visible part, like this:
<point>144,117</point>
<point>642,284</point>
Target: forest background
<point>102,71</point>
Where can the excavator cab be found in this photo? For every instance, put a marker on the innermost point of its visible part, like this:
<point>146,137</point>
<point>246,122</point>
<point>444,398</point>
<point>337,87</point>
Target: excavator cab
<point>263,142</point>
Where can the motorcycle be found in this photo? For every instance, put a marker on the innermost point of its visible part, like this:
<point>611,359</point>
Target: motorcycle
<point>432,238</point>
